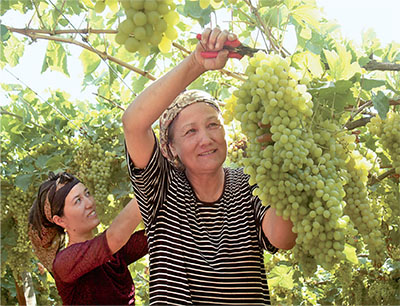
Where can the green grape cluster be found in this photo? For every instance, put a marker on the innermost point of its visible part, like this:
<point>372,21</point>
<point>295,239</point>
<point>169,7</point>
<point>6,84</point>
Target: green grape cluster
<point>388,131</point>
<point>94,169</point>
<point>148,23</point>
<point>361,212</point>
<point>237,148</point>
<point>301,174</point>
<point>19,203</point>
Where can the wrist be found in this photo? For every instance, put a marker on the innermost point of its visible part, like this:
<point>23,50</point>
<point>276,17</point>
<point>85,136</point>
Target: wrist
<point>194,65</point>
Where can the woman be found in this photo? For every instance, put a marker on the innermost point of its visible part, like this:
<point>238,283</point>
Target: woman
<point>90,270</point>
<point>206,230</point>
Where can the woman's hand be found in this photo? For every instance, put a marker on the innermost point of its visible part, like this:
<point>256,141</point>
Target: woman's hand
<point>265,139</point>
<point>213,40</point>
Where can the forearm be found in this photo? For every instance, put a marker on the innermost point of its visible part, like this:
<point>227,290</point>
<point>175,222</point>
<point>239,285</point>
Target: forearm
<point>278,231</point>
<point>150,104</point>
<point>123,226</point>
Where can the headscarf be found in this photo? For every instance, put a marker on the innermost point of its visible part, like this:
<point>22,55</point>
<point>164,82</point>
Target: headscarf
<point>47,237</point>
<point>184,99</point>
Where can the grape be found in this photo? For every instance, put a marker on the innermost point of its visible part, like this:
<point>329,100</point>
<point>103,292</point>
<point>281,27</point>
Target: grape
<point>127,26</point>
<point>132,44</point>
<point>99,6</point>
<point>140,18</point>
<point>121,38</point>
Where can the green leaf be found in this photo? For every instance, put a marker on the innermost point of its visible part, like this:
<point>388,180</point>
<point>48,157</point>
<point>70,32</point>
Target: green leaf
<point>368,84</point>
<point>55,58</point>
<point>192,9</point>
<point>340,64</point>
<point>281,275</point>
<point>90,61</point>
<point>307,14</point>
<point>350,253</point>
<point>23,181</point>
<point>5,34</point>
<point>381,104</point>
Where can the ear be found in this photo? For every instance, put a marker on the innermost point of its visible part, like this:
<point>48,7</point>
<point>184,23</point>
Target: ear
<point>59,221</point>
<point>172,149</point>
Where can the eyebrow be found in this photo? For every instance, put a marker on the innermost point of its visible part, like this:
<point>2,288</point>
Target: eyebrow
<point>78,195</point>
<point>207,119</point>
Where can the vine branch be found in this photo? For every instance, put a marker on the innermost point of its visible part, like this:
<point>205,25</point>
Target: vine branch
<point>51,35</point>
<point>381,177</point>
<point>35,34</point>
<point>374,65</point>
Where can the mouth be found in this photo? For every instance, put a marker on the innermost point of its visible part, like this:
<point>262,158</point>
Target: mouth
<point>208,152</point>
<point>92,214</point>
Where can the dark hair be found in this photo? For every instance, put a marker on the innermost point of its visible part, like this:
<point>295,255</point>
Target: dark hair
<point>47,190</point>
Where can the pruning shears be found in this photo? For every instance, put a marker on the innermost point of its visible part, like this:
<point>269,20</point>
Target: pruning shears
<point>235,47</point>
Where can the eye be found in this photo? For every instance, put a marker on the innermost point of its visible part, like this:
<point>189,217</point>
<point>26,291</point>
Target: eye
<point>87,193</point>
<point>190,131</point>
<point>78,200</point>
<point>214,124</point>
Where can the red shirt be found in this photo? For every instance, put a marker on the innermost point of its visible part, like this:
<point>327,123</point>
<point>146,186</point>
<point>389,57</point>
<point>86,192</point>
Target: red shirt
<point>87,273</point>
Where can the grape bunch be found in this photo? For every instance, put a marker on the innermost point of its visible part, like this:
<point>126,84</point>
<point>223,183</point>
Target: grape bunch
<point>148,23</point>
<point>301,174</point>
<point>94,168</point>
<point>388,131</point>
<point>236,148</point>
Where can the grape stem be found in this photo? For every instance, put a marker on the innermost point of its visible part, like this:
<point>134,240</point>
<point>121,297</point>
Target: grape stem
<point>111,101</point>
<point>381,177</point>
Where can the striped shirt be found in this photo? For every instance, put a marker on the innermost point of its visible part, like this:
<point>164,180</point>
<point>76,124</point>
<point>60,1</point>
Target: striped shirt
<point>201,253</point>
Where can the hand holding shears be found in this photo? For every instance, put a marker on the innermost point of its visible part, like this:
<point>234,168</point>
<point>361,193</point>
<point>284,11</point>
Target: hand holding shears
<point>235,47</point>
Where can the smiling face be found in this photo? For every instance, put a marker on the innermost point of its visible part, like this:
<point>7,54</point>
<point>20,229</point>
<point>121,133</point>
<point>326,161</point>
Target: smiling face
<point>198,138</point>
<point>79,217</point>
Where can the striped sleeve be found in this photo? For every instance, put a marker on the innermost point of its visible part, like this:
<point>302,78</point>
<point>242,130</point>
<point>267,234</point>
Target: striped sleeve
<point>150,183</point>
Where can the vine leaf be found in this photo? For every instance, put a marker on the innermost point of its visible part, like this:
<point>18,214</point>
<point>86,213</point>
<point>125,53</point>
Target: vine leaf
<point>368,84</point>
<point>282,275</point>
<point>309,61</point>
<point>340,64</point>
<point>90,61</point>
<point>23,181</point>
<point>350,253</point>
<point>55,58</point>
<point>192,9</point>
<point>381,104</point>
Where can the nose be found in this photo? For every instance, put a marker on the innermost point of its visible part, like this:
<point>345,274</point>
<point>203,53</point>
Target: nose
<point>205,137</point>
<point>89,203</point>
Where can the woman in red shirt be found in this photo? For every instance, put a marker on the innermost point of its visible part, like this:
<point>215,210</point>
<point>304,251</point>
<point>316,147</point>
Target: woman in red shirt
<point>90,269</point>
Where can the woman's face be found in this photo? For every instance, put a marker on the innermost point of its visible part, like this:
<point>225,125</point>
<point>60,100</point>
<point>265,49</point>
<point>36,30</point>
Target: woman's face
<point>80,215</point>
<point>199,138</point>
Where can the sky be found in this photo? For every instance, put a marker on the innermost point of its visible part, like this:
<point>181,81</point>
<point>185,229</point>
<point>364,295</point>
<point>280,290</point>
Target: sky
<point>354,17</point>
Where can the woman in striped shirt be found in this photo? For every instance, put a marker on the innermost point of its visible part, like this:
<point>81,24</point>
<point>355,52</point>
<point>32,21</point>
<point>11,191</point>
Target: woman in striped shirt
<point>206,231</point>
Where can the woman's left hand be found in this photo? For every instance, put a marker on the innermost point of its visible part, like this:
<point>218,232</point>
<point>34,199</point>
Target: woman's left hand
<point>213,40</point>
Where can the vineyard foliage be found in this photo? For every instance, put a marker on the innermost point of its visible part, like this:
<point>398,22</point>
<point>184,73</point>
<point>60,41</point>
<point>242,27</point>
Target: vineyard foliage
<point>331,106</point>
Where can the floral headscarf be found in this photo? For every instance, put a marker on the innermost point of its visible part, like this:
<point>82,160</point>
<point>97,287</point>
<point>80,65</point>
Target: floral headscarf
<point>47,238</point>
<point>184,99</point>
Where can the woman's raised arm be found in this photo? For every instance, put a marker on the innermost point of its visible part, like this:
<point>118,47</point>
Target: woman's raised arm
<point>151,103</point>
<point>123,226</point>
